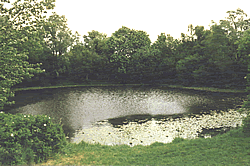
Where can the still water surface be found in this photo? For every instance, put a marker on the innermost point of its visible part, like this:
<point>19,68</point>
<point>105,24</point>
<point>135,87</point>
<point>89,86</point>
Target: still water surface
<point>92,108</point>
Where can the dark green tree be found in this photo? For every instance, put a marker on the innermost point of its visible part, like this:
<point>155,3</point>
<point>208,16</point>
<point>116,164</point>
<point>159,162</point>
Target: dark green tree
<point>58,39</point>
<point>15,24</point>
<point>168,56</point>
<point>235,25</point>
<point>96,52</point>
<point>244,51</point>
<point>190,55</point>
<point>216,56</point>
<point>89,58</point>
<point>123,44</point>
<point>145,66</point>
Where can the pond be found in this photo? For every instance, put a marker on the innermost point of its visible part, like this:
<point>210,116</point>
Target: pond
<point>132,115</point>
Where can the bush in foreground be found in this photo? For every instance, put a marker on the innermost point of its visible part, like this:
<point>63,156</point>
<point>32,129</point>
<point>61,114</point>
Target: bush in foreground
<point>26,139</point>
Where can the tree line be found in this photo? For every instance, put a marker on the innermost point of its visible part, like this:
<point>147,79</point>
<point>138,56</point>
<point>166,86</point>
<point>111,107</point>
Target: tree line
<point>215,57</point>
<point>40,50</point>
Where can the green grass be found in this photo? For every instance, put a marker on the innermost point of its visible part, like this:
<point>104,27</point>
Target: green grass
<point>72,84</point>
<point>98,83</point>
<point>210,89</point>
<point>231,148</point>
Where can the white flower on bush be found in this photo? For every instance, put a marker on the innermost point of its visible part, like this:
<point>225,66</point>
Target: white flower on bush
<point>1,112</point>
<point>24,116</point>
<point>44,124</point>
<point>12,135</point>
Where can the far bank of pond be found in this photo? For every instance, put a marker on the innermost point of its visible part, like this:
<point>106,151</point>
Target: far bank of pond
<point>104,84</point>
<point>116,112</point>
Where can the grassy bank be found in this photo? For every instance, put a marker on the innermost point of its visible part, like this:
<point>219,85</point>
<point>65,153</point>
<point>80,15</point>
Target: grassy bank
<point>71,84</point>
<point>231,148</point>
<point>209,89</point>
<point>103,84</point>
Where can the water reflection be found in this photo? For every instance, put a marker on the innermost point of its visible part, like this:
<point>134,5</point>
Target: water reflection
<point>81,108</point>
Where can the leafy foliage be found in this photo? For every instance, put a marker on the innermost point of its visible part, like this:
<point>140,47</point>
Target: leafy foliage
<point>58,37</point>
<point>244,52</point>
<point>200,58</point>
<point>123,44</point>
<point>89,58</point>
<point>18,25</point>
<point>57,40</point>
<point>27,138</point>
<point>144,66</point>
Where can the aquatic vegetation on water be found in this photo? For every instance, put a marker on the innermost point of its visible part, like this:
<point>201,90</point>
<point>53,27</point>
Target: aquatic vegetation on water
<point>164,130</point>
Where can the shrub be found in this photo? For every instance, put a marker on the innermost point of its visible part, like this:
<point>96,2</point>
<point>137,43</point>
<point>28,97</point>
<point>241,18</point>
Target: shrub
<point>27,139</point>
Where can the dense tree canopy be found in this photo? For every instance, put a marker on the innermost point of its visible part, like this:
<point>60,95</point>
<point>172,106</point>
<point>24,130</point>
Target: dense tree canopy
<point>123,44</point>
<point>19,24</point>
<point>215,57</point>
